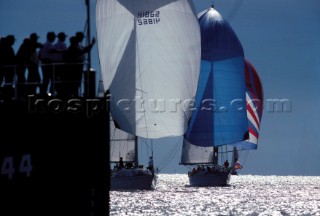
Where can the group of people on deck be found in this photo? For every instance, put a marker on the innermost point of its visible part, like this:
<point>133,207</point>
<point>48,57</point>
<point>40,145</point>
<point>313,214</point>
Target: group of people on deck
<point>129,165</point>
<point>122,165</point>
<point>208,169</point>
<point>61,65</point>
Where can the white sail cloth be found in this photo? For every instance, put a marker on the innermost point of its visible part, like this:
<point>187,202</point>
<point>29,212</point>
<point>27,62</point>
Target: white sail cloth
<point>150,61</point>
<point>122,145</point>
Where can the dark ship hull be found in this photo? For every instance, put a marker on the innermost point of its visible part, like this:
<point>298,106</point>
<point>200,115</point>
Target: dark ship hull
<point>52,162</point>
<point>210,179</point>
<point>135,182</point>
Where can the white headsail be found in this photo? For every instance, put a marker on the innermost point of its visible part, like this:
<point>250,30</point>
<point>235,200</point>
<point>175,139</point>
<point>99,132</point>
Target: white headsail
<point>150,61</point>
<point>122,145</point>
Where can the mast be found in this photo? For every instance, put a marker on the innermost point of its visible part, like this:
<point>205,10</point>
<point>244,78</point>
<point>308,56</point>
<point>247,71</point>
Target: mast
<point>212,4</point>
<point>136,158</point>
<point>90,77</point>
<point>107,96</point>
<point>215,158</point>
<point>215,155</point>
<point>88,33</point>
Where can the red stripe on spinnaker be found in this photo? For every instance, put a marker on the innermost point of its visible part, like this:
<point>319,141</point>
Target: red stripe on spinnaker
<point>253,132</point>
<point>250,110</point>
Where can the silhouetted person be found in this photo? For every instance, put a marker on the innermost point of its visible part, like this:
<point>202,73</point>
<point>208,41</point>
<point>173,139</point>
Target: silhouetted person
<point>34,37</point>
<point>150,164</point>
<point>33,75</point>
<point>121,164</point>
<point>27,58</point>
<point>23,61</point>
<point>80,36</point>
<point>226,164</point>
<point>46,57</point>
<point>60,49</point>
<point>7,66</point>
<point>8,60</point>
<point>74,58</point>
<point>2,53</point>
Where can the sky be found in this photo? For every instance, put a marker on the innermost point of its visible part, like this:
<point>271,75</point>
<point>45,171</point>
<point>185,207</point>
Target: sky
<point>281,38</point>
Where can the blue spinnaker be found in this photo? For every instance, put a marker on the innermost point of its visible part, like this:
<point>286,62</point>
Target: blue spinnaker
<point>220,116</point>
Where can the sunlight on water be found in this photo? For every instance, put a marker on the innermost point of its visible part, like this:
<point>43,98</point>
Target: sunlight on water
<point>246,195</point>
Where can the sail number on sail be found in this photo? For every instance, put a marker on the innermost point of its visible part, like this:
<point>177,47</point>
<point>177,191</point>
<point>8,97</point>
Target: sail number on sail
<point>148,17</point>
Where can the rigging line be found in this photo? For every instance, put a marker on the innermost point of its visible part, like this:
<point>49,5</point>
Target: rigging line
<point>141,142</point>
<point>164,161</point>
<point>146,142</point>
<point>169,157</point>
<point>149,147</point>
<point>140,74</point>
<point>234,10</point>
<point>219,115</point>
<point>85,27</point>
<point>242,153</point>
<point>246,157</point>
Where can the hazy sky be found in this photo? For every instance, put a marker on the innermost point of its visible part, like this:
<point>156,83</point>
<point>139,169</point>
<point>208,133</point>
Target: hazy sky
<point>281,38</point>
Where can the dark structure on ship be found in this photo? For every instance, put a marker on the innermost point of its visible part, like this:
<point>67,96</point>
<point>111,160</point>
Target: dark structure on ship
<point>53,150</point>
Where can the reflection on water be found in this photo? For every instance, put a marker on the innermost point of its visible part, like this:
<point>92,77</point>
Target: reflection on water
<point>246,195</point>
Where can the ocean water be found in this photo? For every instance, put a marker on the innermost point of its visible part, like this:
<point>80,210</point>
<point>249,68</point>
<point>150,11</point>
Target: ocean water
<point>246,195</point>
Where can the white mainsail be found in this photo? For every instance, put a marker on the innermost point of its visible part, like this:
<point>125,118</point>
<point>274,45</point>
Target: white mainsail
<point>150,61</point>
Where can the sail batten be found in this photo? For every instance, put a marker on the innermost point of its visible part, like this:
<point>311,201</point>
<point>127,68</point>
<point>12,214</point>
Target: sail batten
<point>149,53</point>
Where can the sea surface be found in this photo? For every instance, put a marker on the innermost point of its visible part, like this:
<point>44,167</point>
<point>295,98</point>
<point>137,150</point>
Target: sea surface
<point>246,195</point>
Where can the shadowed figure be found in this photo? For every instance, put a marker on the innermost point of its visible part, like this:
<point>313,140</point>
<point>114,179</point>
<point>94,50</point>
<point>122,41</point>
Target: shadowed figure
<point>33,75</point>
<point>7,66</point>
<point>9,60</point>
<point>75,59</point>
<point>60,79</point>
<point>46,57</point>
<point>27,58</point>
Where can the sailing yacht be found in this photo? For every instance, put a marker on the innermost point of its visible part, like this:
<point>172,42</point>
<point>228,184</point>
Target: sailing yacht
<point>219,116</point>
<point>218,175</point>
<point>150,57</point>
<point>129,175</point>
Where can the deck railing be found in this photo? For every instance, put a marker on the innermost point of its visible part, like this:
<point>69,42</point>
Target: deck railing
<point>65,80</point>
